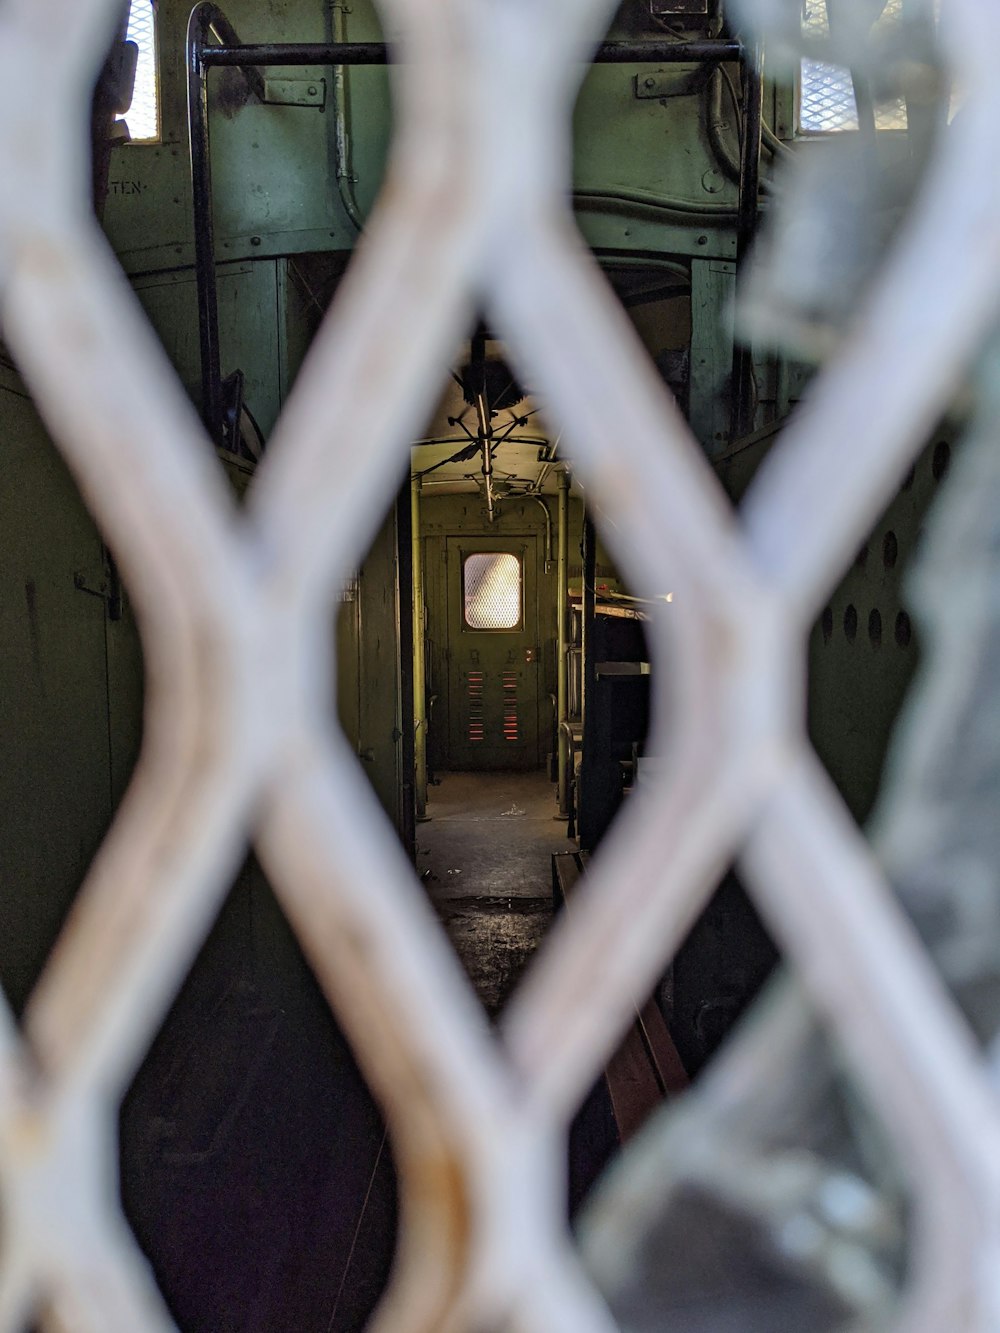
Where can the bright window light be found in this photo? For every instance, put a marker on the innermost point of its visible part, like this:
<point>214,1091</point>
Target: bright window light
<point>492,583</point>
<point>826,93</point>
<point>142,117</point>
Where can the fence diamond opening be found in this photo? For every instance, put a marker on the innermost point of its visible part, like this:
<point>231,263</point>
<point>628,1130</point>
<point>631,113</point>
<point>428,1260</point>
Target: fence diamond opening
<point>238,742</point>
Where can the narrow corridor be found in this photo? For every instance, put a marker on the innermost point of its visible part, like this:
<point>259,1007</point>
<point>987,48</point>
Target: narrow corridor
<point>484,856</point>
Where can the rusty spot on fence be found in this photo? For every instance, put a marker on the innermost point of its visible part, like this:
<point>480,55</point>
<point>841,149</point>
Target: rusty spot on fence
<point>436,1182</point>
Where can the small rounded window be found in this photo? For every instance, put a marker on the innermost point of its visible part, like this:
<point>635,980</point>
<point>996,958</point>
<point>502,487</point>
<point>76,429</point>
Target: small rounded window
<point>491,583</point>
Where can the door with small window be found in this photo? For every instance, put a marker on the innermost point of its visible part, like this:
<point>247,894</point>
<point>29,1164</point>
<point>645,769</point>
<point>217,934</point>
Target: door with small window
<point>493,653</point>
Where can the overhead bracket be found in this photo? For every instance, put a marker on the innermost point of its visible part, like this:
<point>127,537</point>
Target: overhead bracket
<point>677,81</point>
<point>677,8</point>
<point>295,92</point>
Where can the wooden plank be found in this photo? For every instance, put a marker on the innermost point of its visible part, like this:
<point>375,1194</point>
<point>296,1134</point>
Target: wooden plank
<point>646,1069</point>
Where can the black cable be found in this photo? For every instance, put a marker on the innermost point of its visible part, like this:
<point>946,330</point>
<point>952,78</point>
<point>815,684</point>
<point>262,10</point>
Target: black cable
<point>357,1232</point>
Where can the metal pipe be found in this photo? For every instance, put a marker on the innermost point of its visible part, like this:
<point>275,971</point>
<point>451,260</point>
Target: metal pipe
<point>539,482</point>
<point>343,163</point>
<point>715,122</point>
<point>419,665</point>
<point>587,791</point>
<point>405,731</point>
<point>616,198</point>
<point>213,22</point>
<point>668,52</point>
<point>204,229</point>
<point>485,441</point>
<point>562,646</point>
<point>750,147</point>
<point>746,223</point>
<point>378,53</point>
<point>548,529</point>
<point>488,475</point>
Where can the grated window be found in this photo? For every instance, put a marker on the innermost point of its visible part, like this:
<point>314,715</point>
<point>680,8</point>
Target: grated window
<point>143,116</point>
<point>492,583</point>
<point>826,92</point>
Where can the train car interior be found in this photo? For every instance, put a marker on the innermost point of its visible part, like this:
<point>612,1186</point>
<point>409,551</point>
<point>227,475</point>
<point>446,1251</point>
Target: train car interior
<point>490,664</point>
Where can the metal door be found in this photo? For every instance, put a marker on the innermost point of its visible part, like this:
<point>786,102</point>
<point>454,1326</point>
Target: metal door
<point>492,653</point>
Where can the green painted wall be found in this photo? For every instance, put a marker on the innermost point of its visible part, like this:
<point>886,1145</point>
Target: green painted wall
<point>369,694</point>
<point>863,649</point>
<point>70,691</point>
<point>265,324</point>
<point>71,669</point>
<point>648,180</point>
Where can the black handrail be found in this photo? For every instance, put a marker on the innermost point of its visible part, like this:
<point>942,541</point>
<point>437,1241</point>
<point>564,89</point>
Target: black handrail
<point>746,225</point>
<point>379,53</point>
<point>208,21</point>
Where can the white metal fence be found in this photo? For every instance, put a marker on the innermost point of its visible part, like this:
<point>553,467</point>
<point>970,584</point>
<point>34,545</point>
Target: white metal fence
<point>234,607</point>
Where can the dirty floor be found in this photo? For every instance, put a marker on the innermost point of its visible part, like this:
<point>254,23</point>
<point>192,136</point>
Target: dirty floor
<point>485,857</point>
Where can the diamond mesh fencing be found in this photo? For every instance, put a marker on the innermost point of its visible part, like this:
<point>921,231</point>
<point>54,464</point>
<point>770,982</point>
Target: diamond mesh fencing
<point>142,116</point>
<point>826,98</point>
<point>826,92</point>
<point>233,606</point>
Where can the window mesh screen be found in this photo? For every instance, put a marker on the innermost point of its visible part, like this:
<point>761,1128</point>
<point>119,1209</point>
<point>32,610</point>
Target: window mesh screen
<point>826,98</point>
<point>492,582</point>
<point>142,116</point>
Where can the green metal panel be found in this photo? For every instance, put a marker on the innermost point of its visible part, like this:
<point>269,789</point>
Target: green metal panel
<point>148,214</point>
<point>713,287</point>
<point>863,650</point>
<point>493,674</point>
<point>275,184</point>
<point>55,779</point>
<point>652,153</point>
<point>379,703</point>
<point>251,328</point>
<point>347,652</point>
<point>274,187</point>
<point>249,323</point>
<point>298,319</point>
